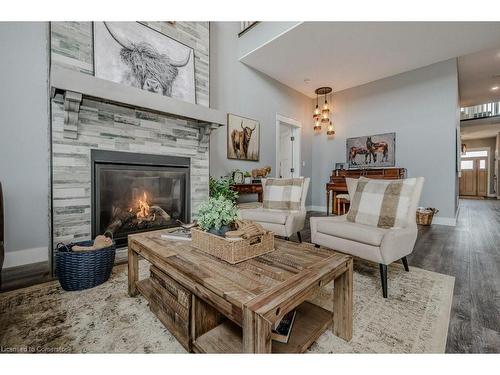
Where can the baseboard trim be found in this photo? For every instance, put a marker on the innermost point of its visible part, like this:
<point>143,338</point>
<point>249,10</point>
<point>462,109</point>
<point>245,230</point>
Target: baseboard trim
<point>449,221</point>
<point>25,256</point>
<point>316,208</point>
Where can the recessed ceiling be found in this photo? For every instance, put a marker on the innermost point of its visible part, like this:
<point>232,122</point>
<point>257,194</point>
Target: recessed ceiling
<point>348,54</point>
<point>479,77</point>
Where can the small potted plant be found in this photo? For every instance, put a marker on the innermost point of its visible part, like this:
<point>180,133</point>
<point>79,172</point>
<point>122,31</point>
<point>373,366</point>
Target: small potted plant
<point>216,215</point>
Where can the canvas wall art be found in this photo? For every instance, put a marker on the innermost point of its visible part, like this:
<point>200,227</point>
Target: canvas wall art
<point>135,55</point>
<point>373,151</point>
<point>243,138</point>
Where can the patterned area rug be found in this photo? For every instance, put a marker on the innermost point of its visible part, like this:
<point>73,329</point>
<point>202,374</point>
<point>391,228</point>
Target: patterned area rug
<point>44,318</point>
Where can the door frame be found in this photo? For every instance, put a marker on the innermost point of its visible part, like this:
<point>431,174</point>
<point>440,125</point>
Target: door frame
<point>488,165</point>
<point>288,121</point>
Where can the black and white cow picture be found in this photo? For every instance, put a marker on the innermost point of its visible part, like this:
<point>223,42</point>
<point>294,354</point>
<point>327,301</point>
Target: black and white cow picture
<point>133,54</point>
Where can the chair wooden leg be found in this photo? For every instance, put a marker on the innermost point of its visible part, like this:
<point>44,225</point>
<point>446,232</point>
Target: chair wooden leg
<point>300,237</point>
<point>383,278</point>
<point>405,264</point>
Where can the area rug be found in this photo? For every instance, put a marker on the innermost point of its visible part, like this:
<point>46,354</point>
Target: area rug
<point>44,318</point>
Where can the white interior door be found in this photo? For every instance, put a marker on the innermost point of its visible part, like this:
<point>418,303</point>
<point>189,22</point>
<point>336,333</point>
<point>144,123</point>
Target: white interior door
<point>288,167</point>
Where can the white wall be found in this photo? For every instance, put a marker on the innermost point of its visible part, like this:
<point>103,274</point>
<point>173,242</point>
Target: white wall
<point>24,155</point>
<point>421,107</point>
<point>238,89</point>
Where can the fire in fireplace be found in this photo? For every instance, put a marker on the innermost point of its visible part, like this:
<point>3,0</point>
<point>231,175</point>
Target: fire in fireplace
<point>137,192</point>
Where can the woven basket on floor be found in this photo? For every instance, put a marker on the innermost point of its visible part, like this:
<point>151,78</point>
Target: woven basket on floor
<point>424,217</point>
<point>78,270</point>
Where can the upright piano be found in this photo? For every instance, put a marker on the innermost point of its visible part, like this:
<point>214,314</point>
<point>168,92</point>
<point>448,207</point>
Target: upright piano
<point>337,184</point>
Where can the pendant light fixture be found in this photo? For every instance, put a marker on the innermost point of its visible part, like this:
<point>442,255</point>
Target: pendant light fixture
<point>316,116</point>
<point>323,117</point>
<point>330,131</point>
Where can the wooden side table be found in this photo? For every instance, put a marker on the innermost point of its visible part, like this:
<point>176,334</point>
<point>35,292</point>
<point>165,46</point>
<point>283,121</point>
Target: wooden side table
<point>254,188</point>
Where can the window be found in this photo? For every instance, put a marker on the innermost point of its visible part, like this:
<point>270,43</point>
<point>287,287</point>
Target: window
<point>466,165</point>
<point>475,154</point>
<point>482,164</point>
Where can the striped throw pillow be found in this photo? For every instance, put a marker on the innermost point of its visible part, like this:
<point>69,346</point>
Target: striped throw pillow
<point>283,193</point>
<point>382,203</point>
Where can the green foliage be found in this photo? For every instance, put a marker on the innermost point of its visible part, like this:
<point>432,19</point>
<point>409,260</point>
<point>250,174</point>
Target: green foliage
<point>222,187</point>
<point>216,212</point>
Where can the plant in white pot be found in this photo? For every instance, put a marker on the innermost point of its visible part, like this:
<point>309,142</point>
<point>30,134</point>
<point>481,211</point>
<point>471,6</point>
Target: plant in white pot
<point>216,215</point>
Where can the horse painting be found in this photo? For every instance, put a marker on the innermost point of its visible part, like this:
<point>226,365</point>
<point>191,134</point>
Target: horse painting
<point>373,148</point>
<point>355,151</point>
<point>378,151</point>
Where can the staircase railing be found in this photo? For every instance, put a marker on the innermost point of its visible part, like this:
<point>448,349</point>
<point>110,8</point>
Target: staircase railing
<point>480,111</point>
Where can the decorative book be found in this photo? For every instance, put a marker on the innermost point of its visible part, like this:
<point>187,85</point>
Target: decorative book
<point>281,332</point>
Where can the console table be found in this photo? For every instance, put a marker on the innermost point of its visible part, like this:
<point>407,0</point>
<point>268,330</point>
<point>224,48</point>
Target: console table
<point>337,184</point>
<point>254,188</point>
<point>211,306</point>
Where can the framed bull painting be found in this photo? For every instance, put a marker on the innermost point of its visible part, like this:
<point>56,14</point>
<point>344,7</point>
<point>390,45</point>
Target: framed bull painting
<point>135,55</point>
<point>243,138</point>
<point>373,151</point>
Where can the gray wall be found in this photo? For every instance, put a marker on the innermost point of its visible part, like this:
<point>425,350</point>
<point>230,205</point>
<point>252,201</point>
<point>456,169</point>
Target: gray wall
<point>421,107</point>
<point>238,89</point>
<point>24,156</point>
<point>492,144</point>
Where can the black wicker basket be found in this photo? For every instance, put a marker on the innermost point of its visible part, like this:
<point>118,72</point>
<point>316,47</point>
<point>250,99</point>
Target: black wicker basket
<point>78,270</point>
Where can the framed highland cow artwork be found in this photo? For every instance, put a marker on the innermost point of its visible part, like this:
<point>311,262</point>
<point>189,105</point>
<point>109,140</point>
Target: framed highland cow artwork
<point>243,138</point>
<point>133,54</point>
<point>372,151</point>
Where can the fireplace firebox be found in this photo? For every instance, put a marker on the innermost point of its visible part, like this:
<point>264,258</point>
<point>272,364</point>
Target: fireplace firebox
<point>134,193</point>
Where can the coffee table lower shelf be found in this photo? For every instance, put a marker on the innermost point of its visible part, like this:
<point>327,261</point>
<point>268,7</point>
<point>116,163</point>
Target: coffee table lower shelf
<point>310,322</point>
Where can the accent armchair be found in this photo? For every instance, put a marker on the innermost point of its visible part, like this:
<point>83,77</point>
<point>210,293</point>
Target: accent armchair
<point>282,222</point>
<point>379,245</point>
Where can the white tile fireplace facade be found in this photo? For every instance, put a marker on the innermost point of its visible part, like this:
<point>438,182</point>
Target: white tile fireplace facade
<point>104,126</point>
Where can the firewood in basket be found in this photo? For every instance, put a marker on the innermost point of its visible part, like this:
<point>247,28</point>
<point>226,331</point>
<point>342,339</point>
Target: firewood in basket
<point>100,242</point>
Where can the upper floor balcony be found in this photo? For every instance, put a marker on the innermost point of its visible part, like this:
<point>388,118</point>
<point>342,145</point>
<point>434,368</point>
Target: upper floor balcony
<point>480,111</point>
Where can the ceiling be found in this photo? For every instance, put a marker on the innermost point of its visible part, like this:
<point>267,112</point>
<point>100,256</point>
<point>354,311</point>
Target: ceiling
<point>479,131</point>
<point>348,54</point>
<point>478,73</point>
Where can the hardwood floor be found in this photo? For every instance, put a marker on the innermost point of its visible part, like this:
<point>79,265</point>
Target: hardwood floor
<point>471,253</point>
<point>23,276</point>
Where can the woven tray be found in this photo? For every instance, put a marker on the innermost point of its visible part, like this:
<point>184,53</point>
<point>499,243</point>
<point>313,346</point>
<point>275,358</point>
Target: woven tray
<point>232,251</point>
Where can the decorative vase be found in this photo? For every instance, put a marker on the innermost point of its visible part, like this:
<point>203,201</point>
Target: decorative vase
<point>221,231</point>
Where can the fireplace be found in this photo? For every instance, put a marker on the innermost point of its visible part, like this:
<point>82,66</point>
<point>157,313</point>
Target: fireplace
<point>134,193</point>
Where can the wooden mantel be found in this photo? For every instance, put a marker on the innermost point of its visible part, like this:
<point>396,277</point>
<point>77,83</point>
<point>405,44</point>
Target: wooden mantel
<point>88,85</point>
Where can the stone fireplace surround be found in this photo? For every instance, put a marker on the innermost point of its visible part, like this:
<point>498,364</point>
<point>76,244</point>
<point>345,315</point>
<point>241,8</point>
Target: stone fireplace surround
<point>108,126</point>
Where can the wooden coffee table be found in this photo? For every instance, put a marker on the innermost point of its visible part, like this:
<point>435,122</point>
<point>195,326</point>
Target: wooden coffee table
<point>211,306</point>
